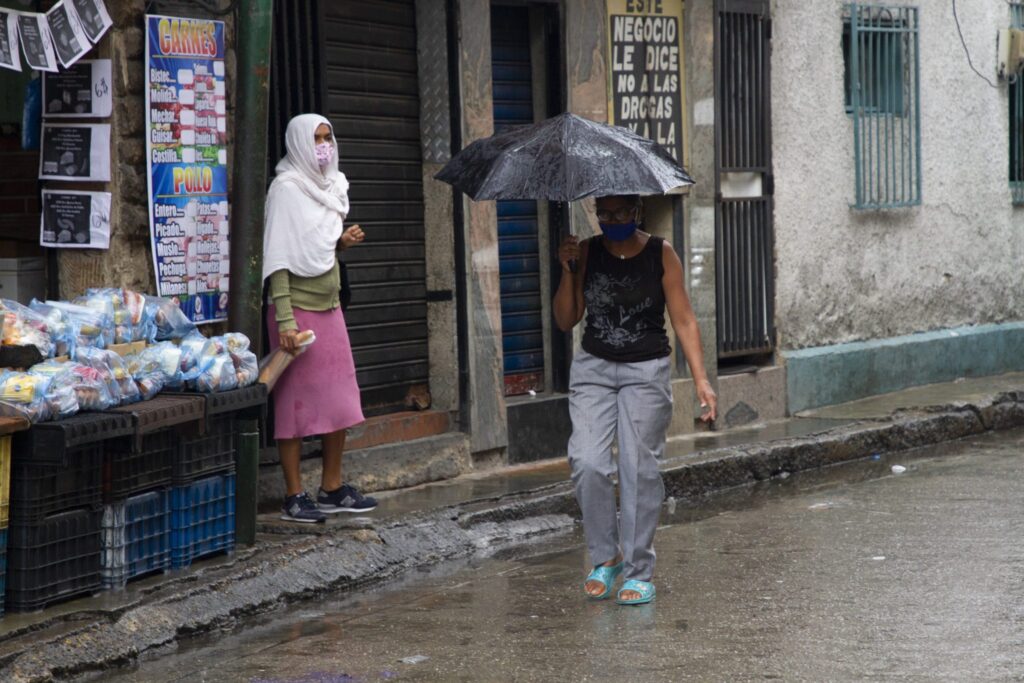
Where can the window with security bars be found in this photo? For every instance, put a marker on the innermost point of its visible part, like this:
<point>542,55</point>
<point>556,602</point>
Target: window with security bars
<point>882,92</point>
<point>1016,109</point>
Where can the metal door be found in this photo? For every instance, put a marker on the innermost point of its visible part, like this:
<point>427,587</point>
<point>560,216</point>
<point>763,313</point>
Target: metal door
<point>744,186</point>
<point>372,99</point>
<point>522,328</point>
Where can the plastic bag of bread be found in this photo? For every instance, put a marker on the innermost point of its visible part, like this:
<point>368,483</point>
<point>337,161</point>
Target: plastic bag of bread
<point>143,325</point>
<point>132,319</point>
<point>58,325</point>
<point>167,357</point>
<point>197,353</point>
<point>273,365</point>
<point>26,327</point>
<point>91,391</point>
<point>90,327</point>
<point>23,394</point>
<point>247,367</point>
<point>236,342</point>
<point>219,375</point>
<point>168,318</point>
<point>94,358</point>
<point>111,366</point>
<point>149,386</point>
<point>110,303</point>
<point>61,401</point>
<point>152,368</point>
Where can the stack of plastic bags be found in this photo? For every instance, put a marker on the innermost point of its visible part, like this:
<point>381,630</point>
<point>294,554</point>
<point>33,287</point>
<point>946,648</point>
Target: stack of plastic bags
<point>218,363</point>
<point>81,373</point>
<point>35,397</point>
<point>26,327</point>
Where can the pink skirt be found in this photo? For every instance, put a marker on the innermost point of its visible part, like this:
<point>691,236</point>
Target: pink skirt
<point>318,393</point>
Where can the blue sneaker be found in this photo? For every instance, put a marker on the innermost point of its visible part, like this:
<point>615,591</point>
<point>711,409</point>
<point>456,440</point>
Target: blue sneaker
<point>302,508</point>
<point>345,499</point>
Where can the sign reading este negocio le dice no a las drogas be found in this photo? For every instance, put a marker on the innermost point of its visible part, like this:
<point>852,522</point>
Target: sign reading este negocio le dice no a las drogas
<point>186,130</point>
<point>646,70</point>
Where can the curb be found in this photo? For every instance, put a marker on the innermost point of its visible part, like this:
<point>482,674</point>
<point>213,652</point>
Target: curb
<point>267,578</point>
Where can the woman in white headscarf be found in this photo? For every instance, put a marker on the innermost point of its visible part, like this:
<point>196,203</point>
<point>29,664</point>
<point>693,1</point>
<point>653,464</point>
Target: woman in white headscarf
<point>306,207</point>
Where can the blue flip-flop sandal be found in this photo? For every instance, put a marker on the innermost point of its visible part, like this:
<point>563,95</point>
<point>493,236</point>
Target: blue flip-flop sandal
<point>644,588</point>
<point>606,576</point>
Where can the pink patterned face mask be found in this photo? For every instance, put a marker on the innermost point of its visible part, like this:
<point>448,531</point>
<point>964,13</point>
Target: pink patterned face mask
<point>323,153</point>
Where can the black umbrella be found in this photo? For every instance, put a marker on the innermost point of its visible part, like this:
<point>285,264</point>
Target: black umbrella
<point>563,159</point>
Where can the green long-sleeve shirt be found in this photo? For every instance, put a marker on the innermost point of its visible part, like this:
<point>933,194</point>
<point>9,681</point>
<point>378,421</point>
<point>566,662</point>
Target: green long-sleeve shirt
<point>288,291</point>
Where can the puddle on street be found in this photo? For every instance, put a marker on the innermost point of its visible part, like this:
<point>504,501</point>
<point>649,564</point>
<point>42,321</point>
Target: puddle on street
<point>844,573</point>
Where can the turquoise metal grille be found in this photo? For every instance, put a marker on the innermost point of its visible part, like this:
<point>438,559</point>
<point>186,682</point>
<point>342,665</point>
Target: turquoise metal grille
<point>1016,110</point>
<point>883,94</point>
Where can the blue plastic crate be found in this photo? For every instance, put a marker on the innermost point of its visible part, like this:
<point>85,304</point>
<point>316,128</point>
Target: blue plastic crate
<point>202,519</point>
<point>136,537</point>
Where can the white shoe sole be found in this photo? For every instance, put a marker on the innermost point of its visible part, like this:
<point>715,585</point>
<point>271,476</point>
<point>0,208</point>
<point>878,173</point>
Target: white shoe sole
<point>334,510</point>
<point>289,518</point>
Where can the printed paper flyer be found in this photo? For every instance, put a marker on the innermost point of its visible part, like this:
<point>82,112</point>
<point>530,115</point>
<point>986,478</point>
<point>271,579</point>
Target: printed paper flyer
<point>78,152</point>
<point>75,220</point>
<point>186,126</point>
<point>83,91</point>
<point>9,58</point>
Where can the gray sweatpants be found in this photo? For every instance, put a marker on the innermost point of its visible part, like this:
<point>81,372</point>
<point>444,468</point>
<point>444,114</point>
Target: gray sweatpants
<point>633,401</point>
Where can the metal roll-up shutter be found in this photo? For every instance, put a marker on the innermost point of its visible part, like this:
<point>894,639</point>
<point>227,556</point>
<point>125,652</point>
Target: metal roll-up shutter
<point>518,248</point>
<point>372,99</point>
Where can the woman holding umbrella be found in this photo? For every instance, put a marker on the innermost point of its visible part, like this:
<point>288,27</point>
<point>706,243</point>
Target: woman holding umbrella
<point>626,280</point>
<point>620,384</point>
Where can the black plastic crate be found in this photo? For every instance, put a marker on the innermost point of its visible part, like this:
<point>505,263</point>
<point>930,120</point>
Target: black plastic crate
<point>54,559</point>
<point>247,403</point>
<point>58,466</point>
<point>146,461</point>
<point>211,453</point>
<point>178,411</point>
<point>131,466</point>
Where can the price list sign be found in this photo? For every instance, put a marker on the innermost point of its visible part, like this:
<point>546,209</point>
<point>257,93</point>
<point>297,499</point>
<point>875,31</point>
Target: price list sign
<point>186,130</point>
<point>645,56</point>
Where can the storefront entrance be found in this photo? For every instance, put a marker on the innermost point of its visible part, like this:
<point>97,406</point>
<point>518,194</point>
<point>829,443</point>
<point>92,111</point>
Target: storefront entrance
<point>356,63</point>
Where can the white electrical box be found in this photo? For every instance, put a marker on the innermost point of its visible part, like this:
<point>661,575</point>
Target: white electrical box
<point>1010,52</point>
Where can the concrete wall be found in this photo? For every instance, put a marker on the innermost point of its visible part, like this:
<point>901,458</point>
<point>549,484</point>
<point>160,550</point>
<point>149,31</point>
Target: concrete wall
<point>129,261</point>
<point>845,275</point>
<point>486,403</point>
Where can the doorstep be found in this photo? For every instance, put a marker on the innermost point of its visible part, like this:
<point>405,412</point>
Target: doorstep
<point>397,465</point>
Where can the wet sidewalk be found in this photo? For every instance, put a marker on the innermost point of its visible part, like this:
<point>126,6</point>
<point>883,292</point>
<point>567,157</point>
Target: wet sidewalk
<point>539,476</point>
<point>424,525</point>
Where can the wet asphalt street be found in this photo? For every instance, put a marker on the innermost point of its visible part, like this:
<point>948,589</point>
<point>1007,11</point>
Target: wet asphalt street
<point>848,574</point>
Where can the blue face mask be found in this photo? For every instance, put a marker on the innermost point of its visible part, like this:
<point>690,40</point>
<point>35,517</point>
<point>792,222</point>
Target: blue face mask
<point>618,232</point>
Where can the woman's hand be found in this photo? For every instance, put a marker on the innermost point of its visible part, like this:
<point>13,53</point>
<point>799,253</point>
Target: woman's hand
<point>568,250</point>
<point>289,341</point>
<point>708,401</point>
<point>352,236</point>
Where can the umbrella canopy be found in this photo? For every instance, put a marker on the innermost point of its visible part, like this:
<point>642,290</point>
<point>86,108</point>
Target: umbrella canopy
<point>563,159</point>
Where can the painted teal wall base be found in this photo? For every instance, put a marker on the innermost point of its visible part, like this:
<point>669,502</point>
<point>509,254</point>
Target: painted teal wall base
<point>827,375</point>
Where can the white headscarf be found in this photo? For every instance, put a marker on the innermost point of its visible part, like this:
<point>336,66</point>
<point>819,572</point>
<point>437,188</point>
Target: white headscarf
<point>306,207</point>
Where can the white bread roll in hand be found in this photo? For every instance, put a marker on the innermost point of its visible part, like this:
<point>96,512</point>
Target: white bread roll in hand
<point>274,365</point>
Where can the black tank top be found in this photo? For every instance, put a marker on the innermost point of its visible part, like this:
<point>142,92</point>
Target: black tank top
<point>625,304</point>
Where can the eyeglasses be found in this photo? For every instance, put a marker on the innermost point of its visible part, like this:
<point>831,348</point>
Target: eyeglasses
<point>620,215</point>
